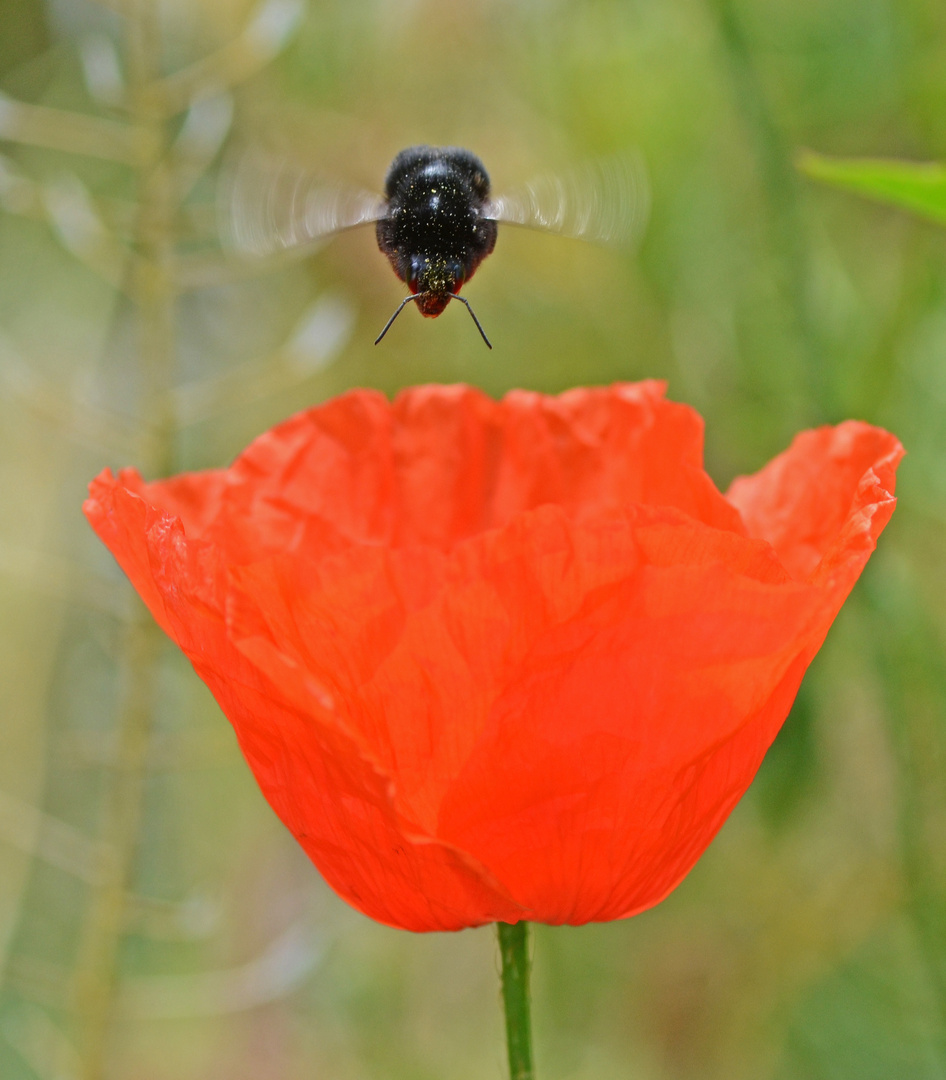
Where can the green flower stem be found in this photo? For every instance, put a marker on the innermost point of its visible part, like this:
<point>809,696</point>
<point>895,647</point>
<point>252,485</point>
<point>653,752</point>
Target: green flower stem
<point>514,950</point>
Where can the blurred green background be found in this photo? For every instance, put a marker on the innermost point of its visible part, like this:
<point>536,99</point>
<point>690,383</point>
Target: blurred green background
<point>156,921</point>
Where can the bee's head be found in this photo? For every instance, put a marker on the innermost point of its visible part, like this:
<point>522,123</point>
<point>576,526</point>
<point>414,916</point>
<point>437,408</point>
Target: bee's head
<point>434,281</point>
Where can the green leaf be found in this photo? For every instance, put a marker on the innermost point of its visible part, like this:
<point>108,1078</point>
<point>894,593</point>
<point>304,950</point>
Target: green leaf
<point>915,186</point>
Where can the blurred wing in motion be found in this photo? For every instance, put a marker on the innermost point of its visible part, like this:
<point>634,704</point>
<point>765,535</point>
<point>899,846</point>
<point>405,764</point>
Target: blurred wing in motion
<point>269,206</point>
<point>606,200</point>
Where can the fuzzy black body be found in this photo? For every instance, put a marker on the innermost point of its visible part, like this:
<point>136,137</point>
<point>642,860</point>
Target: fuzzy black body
<point>434,229</point>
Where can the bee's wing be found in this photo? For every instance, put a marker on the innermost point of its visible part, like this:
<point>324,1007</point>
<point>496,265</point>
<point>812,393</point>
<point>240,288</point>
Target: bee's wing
<point>267,206</point>
<point>605,199</point>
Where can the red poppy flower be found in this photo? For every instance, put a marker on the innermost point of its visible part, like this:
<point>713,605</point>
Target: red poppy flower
<point>502,660</point>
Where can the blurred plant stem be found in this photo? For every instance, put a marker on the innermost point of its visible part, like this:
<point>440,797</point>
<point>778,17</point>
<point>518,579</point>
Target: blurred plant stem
<point>514,951</point>
<point>152,288</point>
<point>780,187</point>
<point>915,735</point>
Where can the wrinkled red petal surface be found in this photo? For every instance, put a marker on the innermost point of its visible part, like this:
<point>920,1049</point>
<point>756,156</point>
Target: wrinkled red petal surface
<point>502,660</point>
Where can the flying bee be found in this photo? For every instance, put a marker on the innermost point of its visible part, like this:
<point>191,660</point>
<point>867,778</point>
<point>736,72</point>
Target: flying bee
<point>437,220</point>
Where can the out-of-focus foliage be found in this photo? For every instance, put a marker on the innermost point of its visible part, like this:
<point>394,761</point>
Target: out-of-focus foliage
<point>155,921</point>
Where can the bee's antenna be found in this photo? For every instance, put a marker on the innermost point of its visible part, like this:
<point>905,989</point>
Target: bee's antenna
<point>463,300</point>
<point>417,296</point>
<point>387,325</point>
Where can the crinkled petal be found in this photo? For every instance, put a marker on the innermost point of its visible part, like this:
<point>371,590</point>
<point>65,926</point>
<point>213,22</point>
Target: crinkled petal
<point>317,774</point>
<point>812,502</point>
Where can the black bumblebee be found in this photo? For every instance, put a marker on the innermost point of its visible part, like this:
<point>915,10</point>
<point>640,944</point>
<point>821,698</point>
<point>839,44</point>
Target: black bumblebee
<point>437,220</point>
